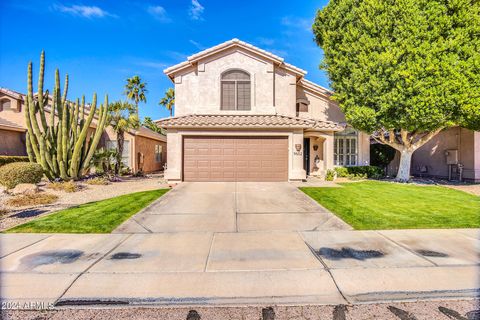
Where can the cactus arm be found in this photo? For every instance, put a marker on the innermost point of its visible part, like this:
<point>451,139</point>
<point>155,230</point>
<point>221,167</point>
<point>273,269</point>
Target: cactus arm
<point>98,133</point>
<point>41,159</point>
<point>65,130</point>
<point>28,144</point>
<point>40,97</point>
<point>31,137</point>
<point>76,155</point>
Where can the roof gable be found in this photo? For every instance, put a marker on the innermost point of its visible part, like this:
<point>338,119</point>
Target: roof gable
<point>234,43</point>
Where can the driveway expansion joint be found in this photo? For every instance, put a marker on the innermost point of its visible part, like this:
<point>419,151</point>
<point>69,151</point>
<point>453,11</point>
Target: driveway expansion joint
<point>24,247</point>
<point>407,248</point>
<point>90,266</point>
<point>326,268</point>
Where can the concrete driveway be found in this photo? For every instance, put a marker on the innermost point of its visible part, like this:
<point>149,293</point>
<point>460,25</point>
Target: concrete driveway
<point>233,207</point>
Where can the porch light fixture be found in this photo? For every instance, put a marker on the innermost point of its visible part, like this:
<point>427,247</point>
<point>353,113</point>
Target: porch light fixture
<point>315,147</point>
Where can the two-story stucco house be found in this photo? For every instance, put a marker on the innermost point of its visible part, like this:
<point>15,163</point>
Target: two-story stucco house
<point>243,114</point>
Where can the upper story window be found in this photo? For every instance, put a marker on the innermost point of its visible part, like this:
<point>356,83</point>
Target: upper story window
<point>4,105</point>
<point>235,90</point>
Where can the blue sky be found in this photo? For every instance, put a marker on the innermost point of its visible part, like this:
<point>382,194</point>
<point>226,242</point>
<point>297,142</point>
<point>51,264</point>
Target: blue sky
<point>101,43</point>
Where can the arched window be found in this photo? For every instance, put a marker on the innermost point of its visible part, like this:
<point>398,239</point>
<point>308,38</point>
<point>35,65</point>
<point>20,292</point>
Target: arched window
<point>235,87</point>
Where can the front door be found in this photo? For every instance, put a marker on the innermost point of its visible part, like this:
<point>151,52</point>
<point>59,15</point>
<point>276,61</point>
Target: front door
<point>306,155</point>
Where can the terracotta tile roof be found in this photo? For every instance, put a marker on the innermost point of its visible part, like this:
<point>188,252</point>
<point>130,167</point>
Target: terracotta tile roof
<point>245,121</point>
<point>10,124</point>
<point>147,133</point>
<point>14,94</point>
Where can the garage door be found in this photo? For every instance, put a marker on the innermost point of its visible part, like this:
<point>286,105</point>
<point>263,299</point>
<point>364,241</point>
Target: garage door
<point>235,158</point>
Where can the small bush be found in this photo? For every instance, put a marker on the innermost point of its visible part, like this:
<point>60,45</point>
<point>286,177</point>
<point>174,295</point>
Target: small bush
<point>98,181</point>
<point>20,172</point>
<point>31,199</point>
<point>341,172</point>
<point>360,172</point>
<point>330,176</point>
<point>66,186</point>
<point>9,159</point>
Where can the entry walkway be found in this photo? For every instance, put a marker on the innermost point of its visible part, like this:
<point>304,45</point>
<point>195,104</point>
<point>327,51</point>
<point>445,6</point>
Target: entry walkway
<point>239,268</point>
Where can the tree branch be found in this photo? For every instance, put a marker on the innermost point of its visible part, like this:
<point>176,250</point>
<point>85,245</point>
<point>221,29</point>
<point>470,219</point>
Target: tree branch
<point>420,142</point>
<point>380,137</point>
<point>405,140</point>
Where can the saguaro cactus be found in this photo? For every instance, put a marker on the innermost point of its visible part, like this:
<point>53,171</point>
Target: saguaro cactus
<point>65,144</point>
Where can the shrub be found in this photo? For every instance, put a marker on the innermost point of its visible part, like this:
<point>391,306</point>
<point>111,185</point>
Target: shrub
<point>360,172</point>
<point>330,176</point>
<point>9,159</point>
<point>341,172</point>
<point>98,181</point>
<point>31,199</point>
<point>67,186</point>
<point>20,172</point>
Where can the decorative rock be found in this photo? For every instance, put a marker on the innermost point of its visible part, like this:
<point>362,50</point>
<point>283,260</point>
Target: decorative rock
<point>24,188</point>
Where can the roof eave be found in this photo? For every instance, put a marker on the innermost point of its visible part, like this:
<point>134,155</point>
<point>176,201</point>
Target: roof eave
<point>235,127</point>
<point>191,60</point>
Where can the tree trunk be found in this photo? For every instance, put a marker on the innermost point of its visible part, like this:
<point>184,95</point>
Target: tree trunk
<point>171,112</point>
<point>403,174</point>
<point>120,140</point>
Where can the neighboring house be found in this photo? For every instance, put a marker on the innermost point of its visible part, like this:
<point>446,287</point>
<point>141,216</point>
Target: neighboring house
<point>449,152</point>
<point>143,149</point>
<point>243,114</point>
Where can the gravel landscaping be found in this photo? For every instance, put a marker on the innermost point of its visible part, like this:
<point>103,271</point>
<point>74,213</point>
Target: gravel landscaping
<point>87,193</point>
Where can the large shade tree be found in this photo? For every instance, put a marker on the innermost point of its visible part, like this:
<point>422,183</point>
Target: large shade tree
<point>403,70</point>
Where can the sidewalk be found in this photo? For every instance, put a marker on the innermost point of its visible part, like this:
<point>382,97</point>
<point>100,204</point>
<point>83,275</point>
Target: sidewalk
<point>249,268</point>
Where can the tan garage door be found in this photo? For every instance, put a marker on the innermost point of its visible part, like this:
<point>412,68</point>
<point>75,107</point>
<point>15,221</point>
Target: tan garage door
<point>235,158</point>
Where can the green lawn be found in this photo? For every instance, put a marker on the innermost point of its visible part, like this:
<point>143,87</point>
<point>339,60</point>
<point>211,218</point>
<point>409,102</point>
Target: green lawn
<point>94,217</point>
<point>385,205</point>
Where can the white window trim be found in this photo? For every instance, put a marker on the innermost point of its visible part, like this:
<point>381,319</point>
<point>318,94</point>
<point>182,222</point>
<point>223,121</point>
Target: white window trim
<point>236,89</point>
<point>346,153</point>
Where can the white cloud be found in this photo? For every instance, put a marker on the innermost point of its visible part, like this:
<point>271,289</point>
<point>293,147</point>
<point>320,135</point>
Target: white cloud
<point>199,46</point>
<point>265,41</point>
<point>196,10</point>
<point>152,64</point>
<point>159,13</point>
<point>296,22</point>
<point>84,11</point>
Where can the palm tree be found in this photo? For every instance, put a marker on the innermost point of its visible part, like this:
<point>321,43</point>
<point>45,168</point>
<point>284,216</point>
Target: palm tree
<point>122,118</point>
<point>168,101</point>
<point>135,90</point>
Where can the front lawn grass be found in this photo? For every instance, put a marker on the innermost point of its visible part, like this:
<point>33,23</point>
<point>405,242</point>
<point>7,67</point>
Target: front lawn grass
<point>385,205</point>
<point>94,217</point>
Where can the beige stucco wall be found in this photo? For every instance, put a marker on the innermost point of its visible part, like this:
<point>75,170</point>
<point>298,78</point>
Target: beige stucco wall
<point>146,146</point>
<point>363,149</point>
<point>320,107</point>
<point>432,154</point>
<point>476,150</point>
<point>12,143</point>
<point>197,89</point>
